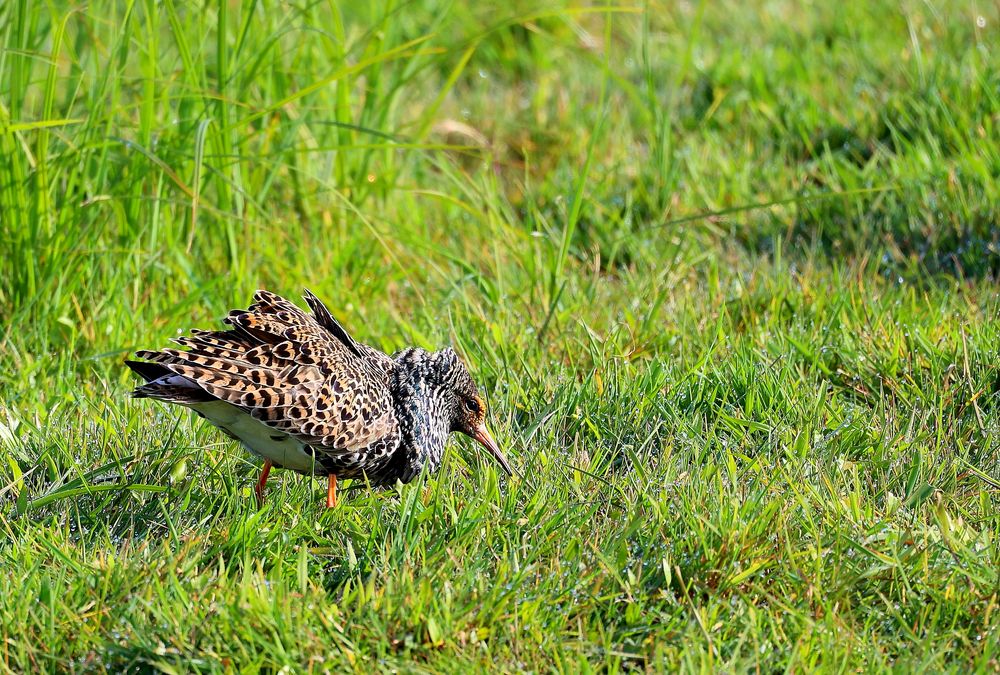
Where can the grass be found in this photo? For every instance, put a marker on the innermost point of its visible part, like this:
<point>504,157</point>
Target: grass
<point>727,275</point>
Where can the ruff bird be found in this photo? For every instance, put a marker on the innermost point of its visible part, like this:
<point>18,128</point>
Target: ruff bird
<point>297,390</point>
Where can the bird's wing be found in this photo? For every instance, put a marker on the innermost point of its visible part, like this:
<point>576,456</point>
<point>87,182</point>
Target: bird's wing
<point>292,372</point>
<point>374,359</point>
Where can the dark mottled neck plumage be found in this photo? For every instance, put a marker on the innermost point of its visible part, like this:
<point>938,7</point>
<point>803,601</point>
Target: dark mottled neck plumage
<point>422,403</point>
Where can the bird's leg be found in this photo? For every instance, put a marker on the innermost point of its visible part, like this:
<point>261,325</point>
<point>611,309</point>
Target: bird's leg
<point>259,490</point>
<point>331,491</point>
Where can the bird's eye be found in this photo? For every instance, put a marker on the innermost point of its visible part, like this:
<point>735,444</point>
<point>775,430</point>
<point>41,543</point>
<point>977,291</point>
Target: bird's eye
<point>471,405</point>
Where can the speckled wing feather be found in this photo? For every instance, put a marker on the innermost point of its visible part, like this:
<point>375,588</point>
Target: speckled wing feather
<point>300,374</point>
<point>380,362</point>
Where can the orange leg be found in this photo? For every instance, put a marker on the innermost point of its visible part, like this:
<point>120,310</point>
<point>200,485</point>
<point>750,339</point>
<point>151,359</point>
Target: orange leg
<point>259,490</point>
<point>331,492</point>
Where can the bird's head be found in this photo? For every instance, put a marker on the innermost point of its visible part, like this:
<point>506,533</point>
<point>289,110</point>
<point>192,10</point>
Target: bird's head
<point>457,395</point>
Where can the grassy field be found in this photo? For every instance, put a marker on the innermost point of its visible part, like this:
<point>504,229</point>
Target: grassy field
<point>726,272</point>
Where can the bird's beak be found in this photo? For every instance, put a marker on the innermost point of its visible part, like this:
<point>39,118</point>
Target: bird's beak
<point>483,436</point>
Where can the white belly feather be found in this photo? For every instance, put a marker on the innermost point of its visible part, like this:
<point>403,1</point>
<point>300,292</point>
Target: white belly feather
<point>258,437</point>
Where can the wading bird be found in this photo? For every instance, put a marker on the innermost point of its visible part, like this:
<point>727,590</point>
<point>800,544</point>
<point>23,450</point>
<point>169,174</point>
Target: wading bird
<point>298,391</point>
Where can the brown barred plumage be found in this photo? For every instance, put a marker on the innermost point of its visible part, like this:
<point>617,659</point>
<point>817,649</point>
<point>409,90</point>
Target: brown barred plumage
<point>297,390</point>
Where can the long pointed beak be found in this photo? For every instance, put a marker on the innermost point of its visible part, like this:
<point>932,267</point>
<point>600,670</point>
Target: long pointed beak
<point>482,435</point>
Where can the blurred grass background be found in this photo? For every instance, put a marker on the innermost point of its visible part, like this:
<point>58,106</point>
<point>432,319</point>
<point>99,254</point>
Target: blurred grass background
<point>726,272</point>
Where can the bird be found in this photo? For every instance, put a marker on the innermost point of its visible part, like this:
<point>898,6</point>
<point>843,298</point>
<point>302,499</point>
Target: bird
<point>297,390</point>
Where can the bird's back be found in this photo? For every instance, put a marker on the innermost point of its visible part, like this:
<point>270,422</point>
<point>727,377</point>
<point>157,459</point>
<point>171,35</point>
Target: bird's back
<point>293,387</point>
